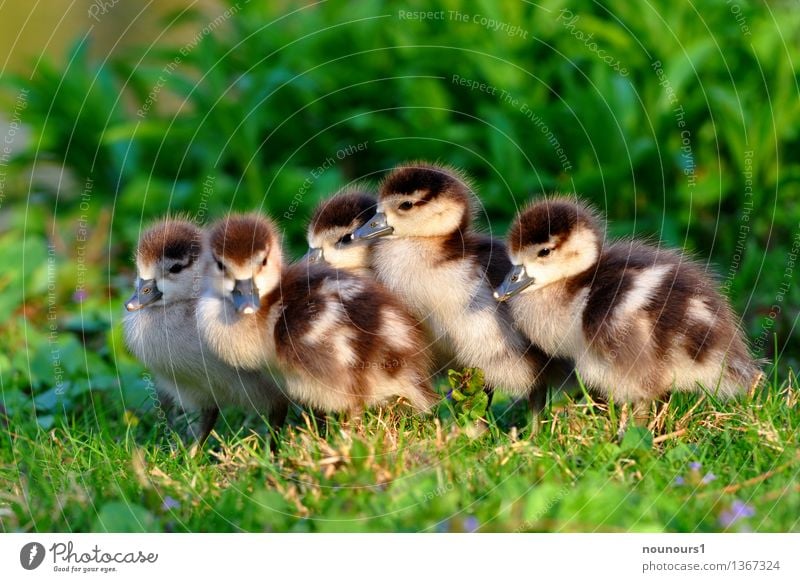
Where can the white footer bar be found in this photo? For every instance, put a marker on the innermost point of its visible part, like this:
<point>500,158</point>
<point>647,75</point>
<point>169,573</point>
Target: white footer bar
<point>407,557</point>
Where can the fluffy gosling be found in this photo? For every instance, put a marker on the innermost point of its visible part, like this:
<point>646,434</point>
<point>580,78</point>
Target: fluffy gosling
<point>638,321</point>
<point>161,331</point>
<point>427,253</point>
<point>340,341</point>
<point>330,231</point>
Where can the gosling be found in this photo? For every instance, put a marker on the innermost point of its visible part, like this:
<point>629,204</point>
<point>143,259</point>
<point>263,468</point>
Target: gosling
<point>161,331</point>
<point>638,321</point>
<point>330,231</point>
<point>427,253</point>
<point>341,342</point>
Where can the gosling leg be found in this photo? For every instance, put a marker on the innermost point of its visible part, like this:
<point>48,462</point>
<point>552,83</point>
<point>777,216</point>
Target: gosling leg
<point>319,420</point>
<point>208,418</point>
<point>490,395</point>
<point>537,400</point>
<point>277,418</point>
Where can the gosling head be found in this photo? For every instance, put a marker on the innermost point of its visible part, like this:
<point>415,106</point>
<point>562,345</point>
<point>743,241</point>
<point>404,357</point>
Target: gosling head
<point>167,264</point>
<point>423,200</point>
<point>246,260</point>
<point>330,232</point>
<point>551,240</point>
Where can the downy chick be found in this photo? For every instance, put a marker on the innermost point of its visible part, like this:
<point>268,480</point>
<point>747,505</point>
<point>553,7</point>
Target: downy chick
<point>330,231</point>
<point>340,341</point>
<point>161,331</point>
<point>429,256</point>
<point>639,321</point>
<point>331,241</point>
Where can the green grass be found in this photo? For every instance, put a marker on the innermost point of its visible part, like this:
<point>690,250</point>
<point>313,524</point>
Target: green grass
<point>270,96</point>
<point>393,472</point>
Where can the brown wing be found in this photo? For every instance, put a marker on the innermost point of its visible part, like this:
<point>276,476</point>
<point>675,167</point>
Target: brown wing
<point>492,257</point>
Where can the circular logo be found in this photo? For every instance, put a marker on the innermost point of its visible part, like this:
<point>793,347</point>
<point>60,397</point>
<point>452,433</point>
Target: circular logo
<point>31,555</point>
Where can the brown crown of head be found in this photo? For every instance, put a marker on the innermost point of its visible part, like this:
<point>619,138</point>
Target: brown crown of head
<point>345,209</point>
<point>554,217</point>
<point>238,236</point>
<point>431,179</point>
<point>171,239</point>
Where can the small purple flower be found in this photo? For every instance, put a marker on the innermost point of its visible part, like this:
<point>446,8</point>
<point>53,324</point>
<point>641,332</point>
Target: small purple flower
<point>679,481</point>
<point>471,524</point>
<point>170,503</point>
<point>80,296</point>
<point>708,478</point>
<point>738,510</point>
<point>449,395</point>
<point>695,465</point>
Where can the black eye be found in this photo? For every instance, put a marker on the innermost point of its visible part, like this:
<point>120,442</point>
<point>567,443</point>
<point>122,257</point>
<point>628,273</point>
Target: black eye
<point>220,266</point>
<point>176,268</point>
<point>406,205</point>
<point>346,239</point>
<point>544,252</point>
<point>264,262</point>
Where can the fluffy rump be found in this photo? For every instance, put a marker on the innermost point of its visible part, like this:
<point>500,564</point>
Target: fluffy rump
<point>349,334</point>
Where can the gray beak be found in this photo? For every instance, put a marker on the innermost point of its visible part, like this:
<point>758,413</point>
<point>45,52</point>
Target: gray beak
<point>146,293</point>
<point>515,281</point>
<point>314,256</point>
<point>375,227</point>
<point>245,296</point>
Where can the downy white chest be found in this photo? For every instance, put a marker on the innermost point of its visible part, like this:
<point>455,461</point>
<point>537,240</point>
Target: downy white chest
<point>244,341</point>
<point>552,319</point>
<point>454,300</point>
<point>169,343</point>
<point>409,267</point>
<point>165,339</point>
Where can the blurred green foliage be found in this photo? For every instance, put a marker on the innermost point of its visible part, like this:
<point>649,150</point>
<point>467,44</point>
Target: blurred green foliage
<point>266,108</point>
